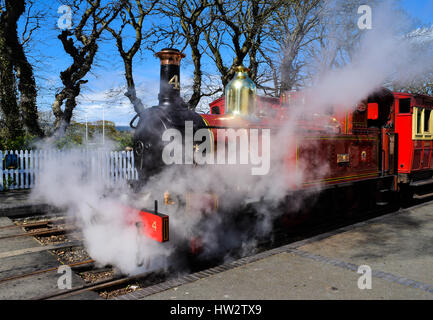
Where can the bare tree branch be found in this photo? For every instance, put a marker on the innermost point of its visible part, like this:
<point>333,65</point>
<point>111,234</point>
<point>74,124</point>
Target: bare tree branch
<point>81,46</point>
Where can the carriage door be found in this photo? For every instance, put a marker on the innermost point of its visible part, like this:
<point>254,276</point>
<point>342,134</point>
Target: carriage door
<point>422,136</point>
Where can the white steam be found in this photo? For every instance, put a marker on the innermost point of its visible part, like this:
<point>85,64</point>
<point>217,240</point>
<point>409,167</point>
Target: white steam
<point>80,182</point>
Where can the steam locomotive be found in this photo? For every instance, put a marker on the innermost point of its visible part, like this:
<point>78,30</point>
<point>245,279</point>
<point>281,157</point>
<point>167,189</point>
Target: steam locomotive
<point>375,153</point>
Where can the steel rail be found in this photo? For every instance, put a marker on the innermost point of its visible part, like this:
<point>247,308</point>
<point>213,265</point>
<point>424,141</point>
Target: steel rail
<point>114,281</point>
<point>33,224</point>
<point>39,233</point>
<point>90,261</point>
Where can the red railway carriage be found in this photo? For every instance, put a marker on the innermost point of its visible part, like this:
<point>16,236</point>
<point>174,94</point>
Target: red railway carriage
<point>413,124</point>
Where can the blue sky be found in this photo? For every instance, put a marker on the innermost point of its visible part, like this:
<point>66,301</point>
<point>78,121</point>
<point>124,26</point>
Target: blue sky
<point>421,9</point>
<point>104,89</point>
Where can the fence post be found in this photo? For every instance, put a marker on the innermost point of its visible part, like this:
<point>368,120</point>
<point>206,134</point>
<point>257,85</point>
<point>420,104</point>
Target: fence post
<point>29,155</point>
<point>8,172</point>
<point>128,165</point>
<point>34,165</point>
<point>21,169</point>
<point>116,167</point>
<point>1,170</point>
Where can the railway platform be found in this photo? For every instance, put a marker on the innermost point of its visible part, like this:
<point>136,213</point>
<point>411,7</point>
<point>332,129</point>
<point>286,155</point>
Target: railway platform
<point>15,203</point>
<point>397,248</point>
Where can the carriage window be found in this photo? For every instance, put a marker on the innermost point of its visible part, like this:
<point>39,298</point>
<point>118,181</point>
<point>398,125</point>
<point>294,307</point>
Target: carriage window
<point>404,106</point>
<point>421,124</point>
<point>427,114</point>
<point>418,114</point>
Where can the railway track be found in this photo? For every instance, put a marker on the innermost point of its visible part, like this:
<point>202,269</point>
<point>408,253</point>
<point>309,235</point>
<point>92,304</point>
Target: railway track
<point>82,263</point>
<point>151,278</point>
<point>50,231</point>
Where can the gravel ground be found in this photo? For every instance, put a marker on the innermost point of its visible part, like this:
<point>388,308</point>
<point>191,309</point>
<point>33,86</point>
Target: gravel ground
<point>52,223</point>
<point>118,292</point>
<point>95,276</point>
<point>54,239</point>
<point>51,239</point>
<point>72,255</point>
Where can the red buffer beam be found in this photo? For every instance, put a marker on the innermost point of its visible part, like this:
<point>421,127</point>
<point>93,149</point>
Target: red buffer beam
<point>152,224</point>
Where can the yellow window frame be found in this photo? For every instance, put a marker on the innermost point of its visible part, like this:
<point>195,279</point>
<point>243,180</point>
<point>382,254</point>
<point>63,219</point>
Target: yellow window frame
<point>422,135</point>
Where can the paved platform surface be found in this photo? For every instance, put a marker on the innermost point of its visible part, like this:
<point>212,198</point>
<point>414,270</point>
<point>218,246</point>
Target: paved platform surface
<point>36,285</point>
<point>16,203</point>
<point>397,247</point>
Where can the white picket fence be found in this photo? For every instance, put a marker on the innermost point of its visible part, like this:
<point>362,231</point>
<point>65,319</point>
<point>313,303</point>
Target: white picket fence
<point>115,165</point>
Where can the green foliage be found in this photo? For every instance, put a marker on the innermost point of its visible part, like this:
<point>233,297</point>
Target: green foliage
<point>16,143</point>
<point>124,140</point>
<point>8,182</point>
<point>19,143</point>
<point>76,135</point>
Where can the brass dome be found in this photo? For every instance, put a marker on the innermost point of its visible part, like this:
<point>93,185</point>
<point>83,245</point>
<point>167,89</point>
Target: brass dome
<point>240,94</point>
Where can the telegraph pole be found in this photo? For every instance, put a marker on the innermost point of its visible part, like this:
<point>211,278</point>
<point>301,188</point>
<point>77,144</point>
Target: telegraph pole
<point>103,126</point>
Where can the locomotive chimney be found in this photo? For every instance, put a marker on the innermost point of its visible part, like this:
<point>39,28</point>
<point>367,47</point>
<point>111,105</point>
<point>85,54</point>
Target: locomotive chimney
<point>169,90</point>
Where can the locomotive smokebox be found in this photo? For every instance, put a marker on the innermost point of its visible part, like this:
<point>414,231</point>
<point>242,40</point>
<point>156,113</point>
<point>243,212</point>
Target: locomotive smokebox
<point>169,90</point>
<point>171,113</point>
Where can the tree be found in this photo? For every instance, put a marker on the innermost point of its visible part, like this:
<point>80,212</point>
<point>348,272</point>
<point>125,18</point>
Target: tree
<point>241,30</point>
<point>132,15</point>
<point>422,85</point>
<point>12,125</point>
<point>290,31</point>
<point>421,41</point>
<point>186,22</point>
<point>26,79</point>
<point>80,43</point>
<point>210,29</point>
<point>16,73</point>
<point>338,37</point>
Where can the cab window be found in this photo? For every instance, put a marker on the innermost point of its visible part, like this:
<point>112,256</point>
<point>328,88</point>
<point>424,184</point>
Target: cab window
<point>404,106</point>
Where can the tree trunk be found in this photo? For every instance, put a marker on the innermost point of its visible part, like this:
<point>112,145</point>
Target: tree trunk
<point>57,111</point>
<point>83,52</point>
<point>196,87</point>
<point>131,93</point>
<point>27,88</point>
<point>13,128</point>
<point>72,81</point>
<point>14,52</point>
